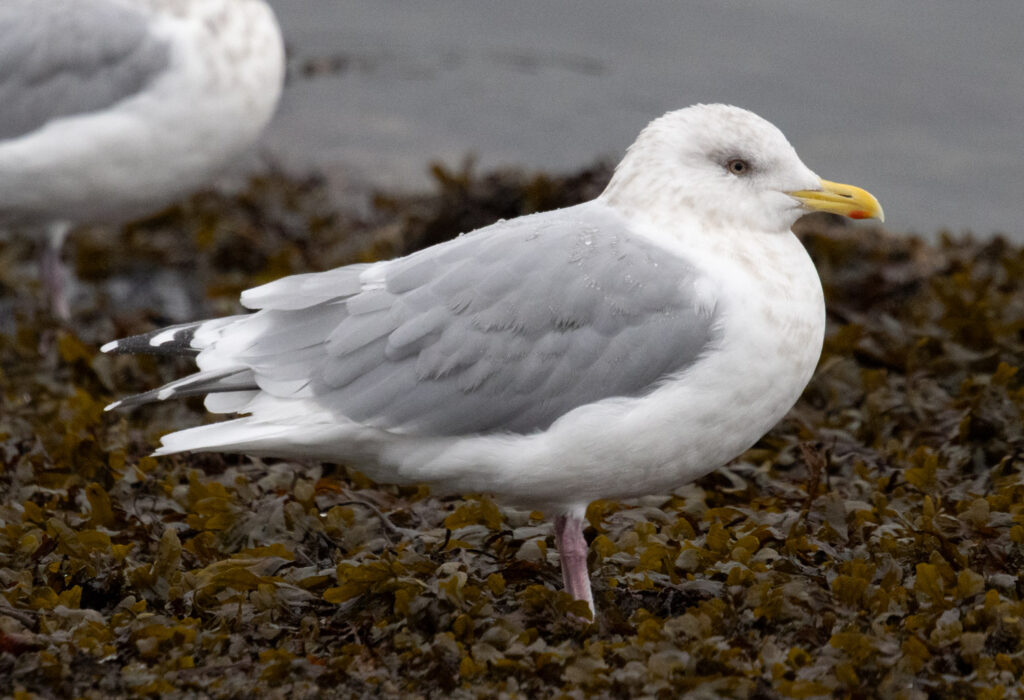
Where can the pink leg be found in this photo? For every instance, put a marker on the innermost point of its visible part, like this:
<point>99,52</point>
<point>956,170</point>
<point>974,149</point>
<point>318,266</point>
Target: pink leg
<point>572,549</point>
<point>53,272</point>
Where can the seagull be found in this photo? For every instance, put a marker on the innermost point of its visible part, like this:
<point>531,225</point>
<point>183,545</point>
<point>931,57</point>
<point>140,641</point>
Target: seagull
<point>110,109</point>
<point>620,347</point>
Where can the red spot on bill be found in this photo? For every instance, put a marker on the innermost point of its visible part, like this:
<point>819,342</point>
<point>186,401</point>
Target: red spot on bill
<point>859,215</point>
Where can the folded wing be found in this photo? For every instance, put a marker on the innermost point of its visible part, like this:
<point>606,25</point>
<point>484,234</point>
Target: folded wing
<point>61,59</point>
<point>504,329</point>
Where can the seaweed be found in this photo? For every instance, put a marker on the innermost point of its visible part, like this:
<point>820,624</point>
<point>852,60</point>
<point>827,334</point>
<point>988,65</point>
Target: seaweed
<point>869,545</point>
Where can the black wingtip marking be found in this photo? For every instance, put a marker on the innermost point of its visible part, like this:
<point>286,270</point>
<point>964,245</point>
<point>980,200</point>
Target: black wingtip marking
<point>173,340</point>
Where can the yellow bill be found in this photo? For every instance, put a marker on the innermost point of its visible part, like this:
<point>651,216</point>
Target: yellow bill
<point>845,200</point>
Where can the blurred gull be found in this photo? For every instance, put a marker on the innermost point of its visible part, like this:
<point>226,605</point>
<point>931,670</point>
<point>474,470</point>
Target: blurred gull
<point>110,109</point>
<point>620,347</point>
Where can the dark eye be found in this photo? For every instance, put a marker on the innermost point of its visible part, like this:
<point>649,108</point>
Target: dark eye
<point>738,166</point>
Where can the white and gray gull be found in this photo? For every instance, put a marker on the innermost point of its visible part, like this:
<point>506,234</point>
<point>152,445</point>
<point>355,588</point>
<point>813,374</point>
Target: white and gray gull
<point>620,347</point>
<point>110,109</point>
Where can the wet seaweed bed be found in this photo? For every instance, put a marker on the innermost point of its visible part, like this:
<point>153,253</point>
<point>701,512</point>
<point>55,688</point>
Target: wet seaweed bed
<point>870,545</point>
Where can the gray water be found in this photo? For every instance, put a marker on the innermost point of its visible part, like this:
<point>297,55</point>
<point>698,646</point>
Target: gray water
<point>922,103</point>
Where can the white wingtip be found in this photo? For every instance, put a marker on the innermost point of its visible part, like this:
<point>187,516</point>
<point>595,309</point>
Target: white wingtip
<point>112,345</point>
<point>112,406</point>
<point>249,298</point>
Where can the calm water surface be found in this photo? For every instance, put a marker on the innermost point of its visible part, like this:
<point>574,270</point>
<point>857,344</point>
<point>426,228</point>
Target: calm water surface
<point>920,102</point>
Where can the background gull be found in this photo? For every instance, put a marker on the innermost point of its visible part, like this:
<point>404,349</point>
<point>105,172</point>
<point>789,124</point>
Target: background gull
<point>110,109</point>
<point>616,348</point>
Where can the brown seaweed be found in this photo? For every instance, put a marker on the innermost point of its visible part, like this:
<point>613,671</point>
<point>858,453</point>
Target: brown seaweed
<point>871,544</point>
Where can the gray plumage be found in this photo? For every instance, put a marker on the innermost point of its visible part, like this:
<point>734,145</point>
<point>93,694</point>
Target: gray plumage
<point>60,58</point>
<point>506,329</point>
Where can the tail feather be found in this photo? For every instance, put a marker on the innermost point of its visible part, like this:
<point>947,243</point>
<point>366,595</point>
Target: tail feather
<point>238,435</point>
<point>273,437</point>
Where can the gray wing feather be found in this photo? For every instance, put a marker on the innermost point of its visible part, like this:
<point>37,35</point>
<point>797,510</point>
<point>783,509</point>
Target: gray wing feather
<point>505,329</point>
<point>60,58</point>
<point>305,290</point>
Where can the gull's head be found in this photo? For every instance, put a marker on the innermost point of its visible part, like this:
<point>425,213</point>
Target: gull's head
<point>730,169</point>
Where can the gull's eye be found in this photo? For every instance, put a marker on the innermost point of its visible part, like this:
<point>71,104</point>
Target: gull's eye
<point>738,166</point>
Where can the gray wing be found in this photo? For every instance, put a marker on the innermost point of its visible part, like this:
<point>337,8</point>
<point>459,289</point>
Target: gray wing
<point>65,57</point>
<point>505,329</point>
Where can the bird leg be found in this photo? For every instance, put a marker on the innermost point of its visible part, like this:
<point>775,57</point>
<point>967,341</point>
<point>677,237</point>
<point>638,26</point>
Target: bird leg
<point>53,273</point>
<point>572,549</point>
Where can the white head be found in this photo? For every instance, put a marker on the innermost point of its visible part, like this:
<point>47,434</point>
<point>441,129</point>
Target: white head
<point>730,168</point>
